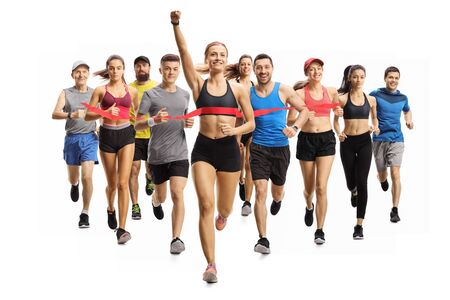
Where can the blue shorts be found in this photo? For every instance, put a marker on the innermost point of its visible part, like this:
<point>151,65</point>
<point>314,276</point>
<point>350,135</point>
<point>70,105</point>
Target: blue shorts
<point>80,147</point>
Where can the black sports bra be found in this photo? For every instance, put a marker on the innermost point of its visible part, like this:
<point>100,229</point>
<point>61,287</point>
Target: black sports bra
<point>352,111</point>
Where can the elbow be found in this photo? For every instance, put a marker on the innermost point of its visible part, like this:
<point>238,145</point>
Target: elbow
<point>252,125</point>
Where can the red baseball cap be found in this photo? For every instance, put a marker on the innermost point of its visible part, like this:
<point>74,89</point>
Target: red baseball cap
<point>308,62</point>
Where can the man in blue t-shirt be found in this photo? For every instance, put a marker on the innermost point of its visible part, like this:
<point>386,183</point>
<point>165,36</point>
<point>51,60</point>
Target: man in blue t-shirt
<point>388,146</point>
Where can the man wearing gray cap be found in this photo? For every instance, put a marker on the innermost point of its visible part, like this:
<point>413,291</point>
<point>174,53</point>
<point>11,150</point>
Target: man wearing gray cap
<point>81,142</point>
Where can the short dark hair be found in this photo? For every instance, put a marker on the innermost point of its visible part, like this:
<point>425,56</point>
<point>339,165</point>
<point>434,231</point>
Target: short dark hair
<point>263,56</point>
<point>391,69</point>
<point>170,57</point>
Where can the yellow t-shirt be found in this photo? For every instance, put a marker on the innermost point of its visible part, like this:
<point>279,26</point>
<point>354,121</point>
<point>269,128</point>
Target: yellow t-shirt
<point>142,134</point>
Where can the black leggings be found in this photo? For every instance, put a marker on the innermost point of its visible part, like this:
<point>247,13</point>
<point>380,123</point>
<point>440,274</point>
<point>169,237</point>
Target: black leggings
<point>356,157</point>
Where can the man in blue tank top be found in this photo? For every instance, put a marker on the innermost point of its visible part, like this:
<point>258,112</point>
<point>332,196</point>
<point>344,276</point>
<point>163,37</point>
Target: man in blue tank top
<point>269,151</point>
<point>388,146</point>
<point>81,142</point>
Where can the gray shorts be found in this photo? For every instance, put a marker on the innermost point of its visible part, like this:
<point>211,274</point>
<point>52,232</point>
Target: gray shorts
<point>388,154</point>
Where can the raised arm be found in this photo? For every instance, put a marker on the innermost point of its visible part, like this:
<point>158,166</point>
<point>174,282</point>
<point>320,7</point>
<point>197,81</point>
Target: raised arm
<point>193,79</point>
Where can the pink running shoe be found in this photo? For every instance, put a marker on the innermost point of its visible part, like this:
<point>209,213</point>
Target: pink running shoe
<point>210,274</point>
<point>220,222</point>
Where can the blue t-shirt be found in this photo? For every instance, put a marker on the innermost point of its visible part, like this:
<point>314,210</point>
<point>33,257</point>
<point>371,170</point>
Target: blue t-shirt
<point>269,128</point>
<point>389,108</point>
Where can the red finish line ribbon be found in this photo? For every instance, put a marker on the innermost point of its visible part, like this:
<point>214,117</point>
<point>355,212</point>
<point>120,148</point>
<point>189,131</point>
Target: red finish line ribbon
<point>124,111</point>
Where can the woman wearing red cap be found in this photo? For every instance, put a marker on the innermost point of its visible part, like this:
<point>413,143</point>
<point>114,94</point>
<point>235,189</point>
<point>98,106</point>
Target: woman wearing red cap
<point>215,156</point>
<point>316,142</point>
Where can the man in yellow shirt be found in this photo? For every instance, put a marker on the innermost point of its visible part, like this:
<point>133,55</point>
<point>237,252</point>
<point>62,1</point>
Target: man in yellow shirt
<point>142,84</point>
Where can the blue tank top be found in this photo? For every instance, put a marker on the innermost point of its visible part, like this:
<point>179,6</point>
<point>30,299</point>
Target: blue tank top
<point>269,127</point>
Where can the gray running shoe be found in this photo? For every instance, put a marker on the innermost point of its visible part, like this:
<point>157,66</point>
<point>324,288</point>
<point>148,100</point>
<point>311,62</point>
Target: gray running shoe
<point>246,208</point>
<point>263,246</point>
<point>177,246</point>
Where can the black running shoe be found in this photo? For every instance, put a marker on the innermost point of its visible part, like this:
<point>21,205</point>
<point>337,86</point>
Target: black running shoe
<point>242,191</point>
<point>354,199</point>
<point>385,185</point>
<point>158,212</point>
<point>112,220</point>
<point>136,212</point>
<point>358,233</point>
<point>275,207</point>
<point>149,186</point>
<point>319,237</point>
<point>309,216</point>
<point>394,215</point>
<point>84,221</point>
<point>74,193</point>
<point>262,246</point>
<point>123,236</point>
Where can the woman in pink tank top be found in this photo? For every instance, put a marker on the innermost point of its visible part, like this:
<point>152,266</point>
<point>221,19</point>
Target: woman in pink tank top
<point>316,143</point>
<point>116,139</point>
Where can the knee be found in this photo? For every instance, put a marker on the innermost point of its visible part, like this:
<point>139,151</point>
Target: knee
<point>206,208</point>
<point>86,179</point>
<point>177,196</point>
<point>321,190</point>
<point>277,195</point>
<point>134,171</point>
<point>122,186</point>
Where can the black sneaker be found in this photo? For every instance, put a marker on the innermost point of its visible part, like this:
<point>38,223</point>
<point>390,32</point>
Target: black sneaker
<point>149,186</point>
<point>242,191</point>
<point>319,237</point>
<point>112,220</point>
<point>275,207</point>
<point>123,236</point>
<point>136,212</point>
<point>394,215</point>
<point>263,246</point>
<point>158,211</point>
<point>84,221</point>
<point>74,193</point>
<point>385,185</point>
<point>358,233</point>
<point>354,199</point>
<point>309,216</point>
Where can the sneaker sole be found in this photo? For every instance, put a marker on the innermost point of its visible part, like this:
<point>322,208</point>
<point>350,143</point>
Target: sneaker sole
<point>136,218</point>
<point>319,241</point>
<point>177,249</point>
<point>358,237</point>
<point>395,221</point>
<point>83,226</point>
<point>124,238</point>
<point>209,277</point>
<point>261,249</point>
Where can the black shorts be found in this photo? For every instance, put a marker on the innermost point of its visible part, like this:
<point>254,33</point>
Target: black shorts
<point>223,154</point>
<point>162,173</point>
<point>111,140</point>
<point>245,138</point>
<point>269,163</point>
<point>141,149</point>
<point>311,145</point>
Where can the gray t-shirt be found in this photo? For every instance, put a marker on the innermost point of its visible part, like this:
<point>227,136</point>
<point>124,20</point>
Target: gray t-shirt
<point>73,102</point>
<point>167,140</point>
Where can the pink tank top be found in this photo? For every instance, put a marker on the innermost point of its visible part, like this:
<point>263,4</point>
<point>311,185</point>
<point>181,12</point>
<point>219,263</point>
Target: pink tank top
<point>312,103</point>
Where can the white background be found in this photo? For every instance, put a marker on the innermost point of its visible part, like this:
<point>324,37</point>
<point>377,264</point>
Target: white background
<point>45,255</point>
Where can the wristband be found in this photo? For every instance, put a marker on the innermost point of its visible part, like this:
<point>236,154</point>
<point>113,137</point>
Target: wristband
<point>69,115</point>
<point>175,24</point>
<point>151,122</point>
<point>295,127</point>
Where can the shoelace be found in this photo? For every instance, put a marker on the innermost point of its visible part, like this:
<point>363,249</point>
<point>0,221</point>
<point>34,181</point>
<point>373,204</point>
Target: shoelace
<point>211,266</point>
<point>135,209</point>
